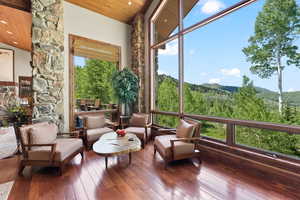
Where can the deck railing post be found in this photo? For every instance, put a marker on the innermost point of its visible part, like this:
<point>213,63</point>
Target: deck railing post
<point>230,134</point>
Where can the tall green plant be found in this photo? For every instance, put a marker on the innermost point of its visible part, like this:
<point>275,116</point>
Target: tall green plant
<point>126,86</point>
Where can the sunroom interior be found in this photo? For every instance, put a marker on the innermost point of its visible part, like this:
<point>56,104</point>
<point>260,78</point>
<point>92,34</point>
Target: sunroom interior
<point>222,73</point>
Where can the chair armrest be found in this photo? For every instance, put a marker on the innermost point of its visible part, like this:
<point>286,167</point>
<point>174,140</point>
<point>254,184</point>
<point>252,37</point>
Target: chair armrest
<point>166,129</point>
<point>172,141</point>
<point>72,134</point>
<point>148,125</point>
<point>52,145</point>
<point>185,139</point>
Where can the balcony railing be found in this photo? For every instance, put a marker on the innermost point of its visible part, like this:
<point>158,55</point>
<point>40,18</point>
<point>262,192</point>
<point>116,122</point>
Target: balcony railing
<point>230,132</point>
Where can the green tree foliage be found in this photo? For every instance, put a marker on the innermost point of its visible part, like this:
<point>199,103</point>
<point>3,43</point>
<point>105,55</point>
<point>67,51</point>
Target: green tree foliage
<point>94,81</point>
<point>243,104</point>
<point>247,105</point>
<point>272,48</point>
<point>167,99</point>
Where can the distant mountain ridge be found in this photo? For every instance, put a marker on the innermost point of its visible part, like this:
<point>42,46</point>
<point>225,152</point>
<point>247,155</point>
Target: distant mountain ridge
<point>292,98</point>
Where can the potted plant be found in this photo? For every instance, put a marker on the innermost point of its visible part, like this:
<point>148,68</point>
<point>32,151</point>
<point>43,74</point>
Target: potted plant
<point>126,88</point>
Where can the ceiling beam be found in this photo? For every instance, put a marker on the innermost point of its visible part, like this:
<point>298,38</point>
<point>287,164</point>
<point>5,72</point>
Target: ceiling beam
<point>24,5</point>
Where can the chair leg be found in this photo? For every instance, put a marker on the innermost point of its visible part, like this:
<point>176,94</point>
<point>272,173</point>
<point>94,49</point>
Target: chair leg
<point>165,165</point>
<point>61,170</point>
<point>143,144</point>
<point>21,168</point>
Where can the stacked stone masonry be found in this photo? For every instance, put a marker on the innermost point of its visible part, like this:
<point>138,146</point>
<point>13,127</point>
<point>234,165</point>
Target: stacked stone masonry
<point>138,57</point>
<point>48,60</point>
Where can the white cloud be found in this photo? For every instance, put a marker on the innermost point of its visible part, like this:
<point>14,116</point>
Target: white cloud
<point>203,74</point>
<point>170,50</point>
<point>160,72</point>
<point>212,6</point>
<point>231,72</point>
<point>214,81</point>
<point>291,90</point>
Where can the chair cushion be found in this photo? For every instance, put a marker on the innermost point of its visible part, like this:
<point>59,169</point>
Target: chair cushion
<point>93,122</point>
<point>95,134</point>
<point>180,148</point>
<point>25,130</point>
<point>139,119</point>
<point>43,134</point>
<point>139,131</point>
<point>184,130</point>
<point>64,148</point>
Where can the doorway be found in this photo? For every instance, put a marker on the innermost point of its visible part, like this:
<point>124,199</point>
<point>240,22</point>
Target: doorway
<point>91,66</point>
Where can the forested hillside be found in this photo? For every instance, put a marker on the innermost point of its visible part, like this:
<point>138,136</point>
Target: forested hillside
<point>246,102</point>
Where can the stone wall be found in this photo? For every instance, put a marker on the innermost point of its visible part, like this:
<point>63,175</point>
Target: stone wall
<point>48,60</point>
<point>8,95</point>
<point>138,57</point>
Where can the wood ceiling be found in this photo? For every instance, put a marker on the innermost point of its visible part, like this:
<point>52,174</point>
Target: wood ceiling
<point>15,27</point>
<point>117,9</point>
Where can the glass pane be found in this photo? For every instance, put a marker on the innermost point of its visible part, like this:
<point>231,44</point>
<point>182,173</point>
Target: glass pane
<point>166,77</point>
<point>214,130</point>
<point>166,121</point>
<point>93,88</point>
<point>269,140</point>
<point>227,75</point>
<point>196,10</point>
<point>166,23</point>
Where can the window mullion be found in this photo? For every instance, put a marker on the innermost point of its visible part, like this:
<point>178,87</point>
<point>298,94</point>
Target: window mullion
<point>180,56</point>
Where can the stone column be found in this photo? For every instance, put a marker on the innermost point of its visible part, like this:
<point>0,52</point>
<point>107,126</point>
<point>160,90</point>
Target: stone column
<point>48,60</point>
<point>138,57</point>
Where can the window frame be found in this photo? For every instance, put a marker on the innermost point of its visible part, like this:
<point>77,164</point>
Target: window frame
<point>231,123</point>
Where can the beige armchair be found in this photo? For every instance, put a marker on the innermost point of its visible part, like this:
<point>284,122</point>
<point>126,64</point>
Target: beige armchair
<point>42,145</point>
<point>182,145</point>
<point>139,124</point>
<point>94,127</point>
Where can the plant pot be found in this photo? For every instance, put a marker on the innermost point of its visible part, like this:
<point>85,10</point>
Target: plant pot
<point>126,109</point>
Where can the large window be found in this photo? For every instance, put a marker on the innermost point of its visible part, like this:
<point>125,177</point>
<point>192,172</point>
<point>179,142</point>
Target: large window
<point>242,63</point>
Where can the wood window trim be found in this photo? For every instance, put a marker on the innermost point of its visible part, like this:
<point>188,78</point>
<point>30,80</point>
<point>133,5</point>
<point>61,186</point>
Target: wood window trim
<point>72,72</point>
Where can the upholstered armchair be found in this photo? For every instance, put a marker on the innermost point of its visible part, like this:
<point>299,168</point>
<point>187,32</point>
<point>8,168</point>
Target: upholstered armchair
<point>42,145</point>
<point>94,126</point>
<point>139,124</point>
<point>182,145</point>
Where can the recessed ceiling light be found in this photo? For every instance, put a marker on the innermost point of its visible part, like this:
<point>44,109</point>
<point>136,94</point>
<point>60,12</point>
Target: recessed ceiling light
<point>9,32</point>
<point>129,3</point>
<point>3,22</point>
<point>165,20</point>
<point>15,42</point>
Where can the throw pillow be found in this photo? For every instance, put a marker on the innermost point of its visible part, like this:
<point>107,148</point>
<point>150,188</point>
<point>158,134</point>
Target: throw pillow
<point>43,134</point>
<point>93,122</point>
<point>184,130</point>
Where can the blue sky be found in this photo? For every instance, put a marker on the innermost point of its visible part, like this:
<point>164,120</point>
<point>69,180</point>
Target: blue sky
<point>79,61</point>
<point>213,53</point>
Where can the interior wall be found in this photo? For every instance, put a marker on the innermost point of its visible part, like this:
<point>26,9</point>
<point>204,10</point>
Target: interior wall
<point>82,22</point>
<point>22,61</point>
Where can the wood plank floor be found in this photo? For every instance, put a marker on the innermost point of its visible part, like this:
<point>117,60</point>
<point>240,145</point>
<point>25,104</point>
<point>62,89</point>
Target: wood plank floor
<point>145,179</point>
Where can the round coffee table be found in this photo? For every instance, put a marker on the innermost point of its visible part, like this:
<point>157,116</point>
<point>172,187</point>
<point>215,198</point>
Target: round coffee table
<point>110,144</point>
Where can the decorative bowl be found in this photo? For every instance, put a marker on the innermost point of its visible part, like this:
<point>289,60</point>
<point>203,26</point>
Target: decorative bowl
<point>121,132</point>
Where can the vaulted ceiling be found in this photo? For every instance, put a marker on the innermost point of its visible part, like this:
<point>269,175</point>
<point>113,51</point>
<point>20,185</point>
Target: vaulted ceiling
<point>121,10</point>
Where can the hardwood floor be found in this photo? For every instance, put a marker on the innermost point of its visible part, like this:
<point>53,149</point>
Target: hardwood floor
<point>145,179</point>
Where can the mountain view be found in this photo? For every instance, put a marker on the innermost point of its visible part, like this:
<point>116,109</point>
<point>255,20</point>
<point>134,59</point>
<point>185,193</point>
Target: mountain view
<point>291,98</point>
<point>246,102</point>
